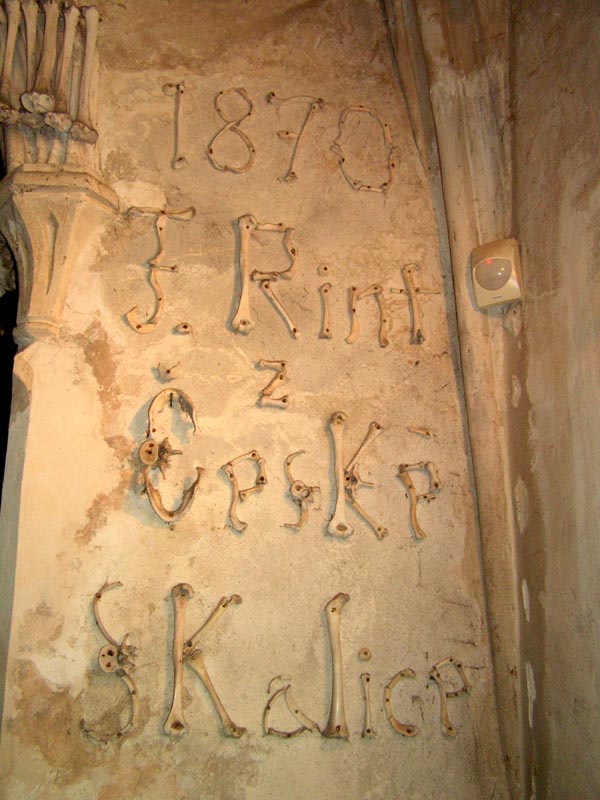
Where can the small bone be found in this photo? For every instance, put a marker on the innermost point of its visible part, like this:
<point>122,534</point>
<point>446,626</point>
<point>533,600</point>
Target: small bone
<point>384,319</point>
<point>338,525</point>
<point>380,531</point>
<point>175,724</point>
<point>168,373</point>
<point>9,114</point>
<point>232,126</point>
<point>114,658</point>
<point>436,677</point>
<point>30,13</point>
<point>368,731</point>
<point>352,480</point>
<point>412,292</point>
<point>268,291</point>
<point>266,396</point>
<point>59,118</point>
<point>399,727</point>
<point>336,147</point>
<point>230,728</point>
<point>83,129</point>
<point>151,323</point>
<point>165,398</point>
<point>302,494</point>
<point>314,104</point>
<point>215,615</point>
<point>355,326</point>
<point>176,90</point>
<point>242,321</point>
<point>374,430</point>
<point>364,654</point>
<point>325,332</point>
<point>306,724</point>
<point>289,247</point>
<point>434,488</point>
<point>323,270</point>
<point>183,329</point>
<point>260,481</point>
<point>336,724</point>
<point>426,433</point>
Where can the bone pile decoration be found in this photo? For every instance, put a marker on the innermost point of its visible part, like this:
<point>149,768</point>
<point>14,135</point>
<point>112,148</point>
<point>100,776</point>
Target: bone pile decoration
<point>238,494</point>
<point>325,332</point>
<point>242,321</point>
<point>313,104</point>
<point>336,147</point>
<point>176,90</point>
<point>336,727</point>
<point>399,727</point>
<point>432,492</point>
<point>161,217</point>
<point>37,76</point>
<point>285,691</point>
<point>368,731</point>
<point>117,658</point>
<point>348,480</point>
<point>302,494</point>
<point>231,125</point>
<point>186,651</point>
<point>355,296</point>
<point>445,693</point>
<point>156,455</point>
<point>411,293</point>
<point>266,396</point>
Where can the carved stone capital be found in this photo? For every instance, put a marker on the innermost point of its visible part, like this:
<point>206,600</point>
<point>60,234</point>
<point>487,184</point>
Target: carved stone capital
<point>47,215</point>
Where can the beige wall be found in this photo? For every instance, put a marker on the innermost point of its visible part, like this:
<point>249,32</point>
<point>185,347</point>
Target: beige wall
<point>555,80</point>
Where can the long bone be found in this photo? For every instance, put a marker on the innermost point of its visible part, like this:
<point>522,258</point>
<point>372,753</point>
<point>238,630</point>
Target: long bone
<point>412,292</point>
<point>314,104</point>
<point>306,724</point>
<point>8,114</point>
<point>426,433</point>
<point>325,332</point>
<point>115,658</point>
<point>266,395</point>
<point>353,481</point>
<point>445,693</point>
<point>241,494</point>
<point>176,90</point>
<point>40,98</point>
<point>432,492</point>
<point>59,118</point>
<point>302,494</point>
<point>368,731</point>
<point>336,147</point>
<point>336,727</point>
<point>30,14</point>
<point>355,296</point>
<point>401,728</point>
<point>232,126</point>
<point>339,525</point>
<point>83,129</point>
<point>161,217</point>
<point>156,455</point>
<point>270,294</point>
<point>186,651</point>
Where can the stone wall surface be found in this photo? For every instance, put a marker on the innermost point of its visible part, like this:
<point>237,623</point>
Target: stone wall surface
<point>80,512</point>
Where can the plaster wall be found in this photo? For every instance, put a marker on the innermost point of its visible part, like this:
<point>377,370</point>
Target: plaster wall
<point>555,79</point>
<point>79,517</point>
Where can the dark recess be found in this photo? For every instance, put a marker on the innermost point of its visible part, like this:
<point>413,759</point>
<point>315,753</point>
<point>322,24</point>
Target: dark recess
<point>8,348</point>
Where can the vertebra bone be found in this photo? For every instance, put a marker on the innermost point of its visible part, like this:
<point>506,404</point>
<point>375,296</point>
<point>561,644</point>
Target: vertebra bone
<point>336,727</point>
<point>399,727</point>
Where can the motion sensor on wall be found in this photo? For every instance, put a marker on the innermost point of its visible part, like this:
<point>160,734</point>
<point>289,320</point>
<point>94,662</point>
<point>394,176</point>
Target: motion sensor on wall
<point>496,273</point>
